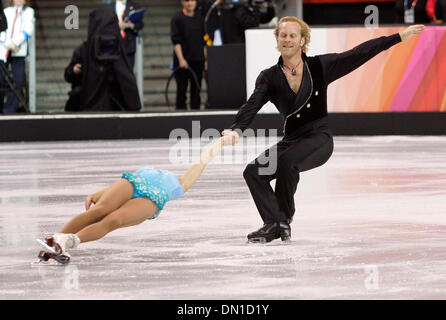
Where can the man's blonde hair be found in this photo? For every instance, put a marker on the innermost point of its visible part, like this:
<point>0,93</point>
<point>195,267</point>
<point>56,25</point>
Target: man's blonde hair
<point>304,30</point>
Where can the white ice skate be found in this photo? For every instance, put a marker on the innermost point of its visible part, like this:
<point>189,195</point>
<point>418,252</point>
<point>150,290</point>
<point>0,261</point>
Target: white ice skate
<point>56,247</point>
<point>51,254</point>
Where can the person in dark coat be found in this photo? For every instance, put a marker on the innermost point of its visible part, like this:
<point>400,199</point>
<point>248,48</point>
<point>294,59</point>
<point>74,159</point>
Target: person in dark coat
<point>3,21</point>
<point>236,20</point>
<point>297,86</point>
<point>107,78</point>
<point>73,75</point>
<point>3,27</point>
<point>440,10</point>
<point>129,30</point>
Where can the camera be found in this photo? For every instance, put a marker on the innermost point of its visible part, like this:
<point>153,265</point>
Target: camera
<point>229,2</point>
<point>107,48</point>
<point>241,2</point>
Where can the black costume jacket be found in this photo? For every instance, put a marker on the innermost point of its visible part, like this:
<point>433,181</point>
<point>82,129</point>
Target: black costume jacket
<point>307,110</point>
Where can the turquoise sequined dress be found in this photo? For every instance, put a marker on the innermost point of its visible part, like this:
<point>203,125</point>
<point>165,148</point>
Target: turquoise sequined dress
<point>159,186</point>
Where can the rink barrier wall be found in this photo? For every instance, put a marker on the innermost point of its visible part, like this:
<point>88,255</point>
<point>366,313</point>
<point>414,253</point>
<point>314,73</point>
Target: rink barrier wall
<point>59,127</point>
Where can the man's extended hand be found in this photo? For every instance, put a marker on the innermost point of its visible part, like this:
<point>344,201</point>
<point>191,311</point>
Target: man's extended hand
<point>411,31</point>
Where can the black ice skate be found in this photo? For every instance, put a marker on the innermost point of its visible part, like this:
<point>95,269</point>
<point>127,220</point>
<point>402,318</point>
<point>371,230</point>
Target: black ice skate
<point>285,231</point>
<point>267,233</point>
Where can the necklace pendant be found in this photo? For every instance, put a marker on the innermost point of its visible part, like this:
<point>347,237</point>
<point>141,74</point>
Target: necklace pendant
<point>293,72</point>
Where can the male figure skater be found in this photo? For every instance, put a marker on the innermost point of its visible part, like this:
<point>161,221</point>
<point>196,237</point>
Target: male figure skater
<point>297,86</point>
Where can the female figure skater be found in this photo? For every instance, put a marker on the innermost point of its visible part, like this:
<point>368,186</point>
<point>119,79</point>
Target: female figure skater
<point>127,202</point>
<point>297,86</point>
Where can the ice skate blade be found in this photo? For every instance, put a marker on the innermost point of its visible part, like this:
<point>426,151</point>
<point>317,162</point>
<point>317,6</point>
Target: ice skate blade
<point>261,240</point>
<point>50,262</point>
<point>62,259</point>
<point>257,240</point>
<point>59,260</point>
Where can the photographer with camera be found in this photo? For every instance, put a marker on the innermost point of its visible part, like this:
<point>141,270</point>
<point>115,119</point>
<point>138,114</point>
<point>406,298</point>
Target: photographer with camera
<point>239,15</point>
<point>108,82</point>
<point>73,75</point>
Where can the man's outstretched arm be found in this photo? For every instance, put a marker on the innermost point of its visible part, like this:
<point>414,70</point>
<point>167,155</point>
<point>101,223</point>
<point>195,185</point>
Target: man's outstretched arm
<point>337,65</point>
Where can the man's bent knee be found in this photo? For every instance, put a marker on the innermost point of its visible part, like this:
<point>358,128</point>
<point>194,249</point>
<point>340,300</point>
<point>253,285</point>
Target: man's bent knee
<point>257,172</point>
<point>251,170</point>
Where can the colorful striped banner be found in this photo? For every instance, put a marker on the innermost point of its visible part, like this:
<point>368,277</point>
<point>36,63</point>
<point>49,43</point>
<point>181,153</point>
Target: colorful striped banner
<point>410,76</point>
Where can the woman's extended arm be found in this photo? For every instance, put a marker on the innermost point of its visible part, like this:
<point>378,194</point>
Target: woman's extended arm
<point>194,172</point>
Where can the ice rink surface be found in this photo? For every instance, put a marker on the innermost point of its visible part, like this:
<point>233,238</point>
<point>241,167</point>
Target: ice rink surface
<point>369,224</point>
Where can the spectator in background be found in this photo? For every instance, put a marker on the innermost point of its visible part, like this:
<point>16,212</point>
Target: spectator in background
<point>440,10</point>
<point>419,6</point>
<point>129,30</point>
<point>14,49</point>
<point>234,21</point>
<point>108,82</point>
<point>73,75</point>
<point>212,23</point>
<point>430,10</point>
<point>3,22</point>
<point>203,6</point>
<point>187,31</point>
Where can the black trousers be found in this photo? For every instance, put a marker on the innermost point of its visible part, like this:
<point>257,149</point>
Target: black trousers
<point>289,157</point>
<point>18,75</point>
<point>131,59</point>
<point>183,77</point>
